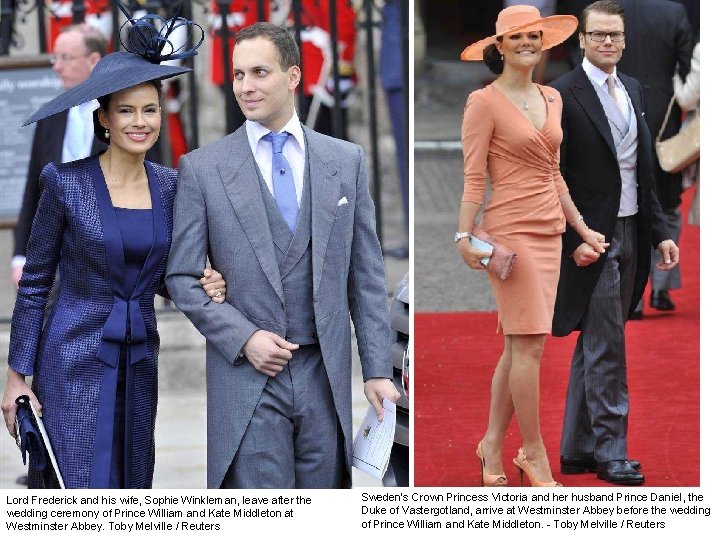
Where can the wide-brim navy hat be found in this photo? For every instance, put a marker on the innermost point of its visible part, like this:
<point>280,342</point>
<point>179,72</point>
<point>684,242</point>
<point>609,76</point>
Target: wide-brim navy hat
<point>115,72</point>
<point>147,44</point>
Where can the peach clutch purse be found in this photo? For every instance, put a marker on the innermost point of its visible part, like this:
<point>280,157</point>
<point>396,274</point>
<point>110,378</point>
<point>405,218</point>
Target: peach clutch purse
<point>502,259</point>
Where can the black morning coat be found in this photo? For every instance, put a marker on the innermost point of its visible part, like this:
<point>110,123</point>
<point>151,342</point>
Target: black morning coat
<point>590,168</point>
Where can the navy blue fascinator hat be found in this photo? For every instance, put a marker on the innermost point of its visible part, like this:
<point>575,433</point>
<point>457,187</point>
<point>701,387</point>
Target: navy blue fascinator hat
<point>146,39</point>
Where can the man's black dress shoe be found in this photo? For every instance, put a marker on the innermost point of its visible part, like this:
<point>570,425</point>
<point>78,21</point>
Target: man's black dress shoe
<point>661,300</point>
<point>619,472</point>
<point>636,315</point>
<point>585,464</point>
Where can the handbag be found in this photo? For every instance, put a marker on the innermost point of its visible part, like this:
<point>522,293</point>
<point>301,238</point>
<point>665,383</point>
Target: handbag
<point>32,438</point>
<point>680,150</point>
<point>28,436</point>
<point>502,258</point>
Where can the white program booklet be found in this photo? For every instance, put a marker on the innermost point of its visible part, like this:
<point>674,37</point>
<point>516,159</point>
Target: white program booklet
<point>374,440</point>
<point>481,245</point>
<point>46,444</point>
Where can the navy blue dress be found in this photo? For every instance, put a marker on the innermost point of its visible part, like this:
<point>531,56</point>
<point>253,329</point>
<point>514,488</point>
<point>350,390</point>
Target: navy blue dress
<point>135,226</point>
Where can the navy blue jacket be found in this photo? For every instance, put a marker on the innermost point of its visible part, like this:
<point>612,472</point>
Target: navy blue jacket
<point>74,358</point>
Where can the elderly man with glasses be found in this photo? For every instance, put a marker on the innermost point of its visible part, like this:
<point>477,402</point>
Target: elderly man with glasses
<point>64,137</point>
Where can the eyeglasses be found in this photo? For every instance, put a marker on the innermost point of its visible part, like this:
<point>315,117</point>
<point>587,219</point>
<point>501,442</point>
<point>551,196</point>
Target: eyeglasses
<point>599,37</point>
<point>66,58</point>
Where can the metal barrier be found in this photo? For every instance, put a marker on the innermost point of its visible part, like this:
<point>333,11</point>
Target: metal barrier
<point>9,9</point>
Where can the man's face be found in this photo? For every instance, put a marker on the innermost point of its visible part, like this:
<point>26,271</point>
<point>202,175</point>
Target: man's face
<point>73,63</point>
<point>263,90</point>
<point>606,54</point>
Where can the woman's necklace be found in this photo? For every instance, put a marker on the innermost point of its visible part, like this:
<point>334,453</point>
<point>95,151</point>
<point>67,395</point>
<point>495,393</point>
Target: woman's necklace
<point>517,95</point>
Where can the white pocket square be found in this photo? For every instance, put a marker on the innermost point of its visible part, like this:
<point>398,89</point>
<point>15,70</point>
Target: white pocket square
<point>342,201</point>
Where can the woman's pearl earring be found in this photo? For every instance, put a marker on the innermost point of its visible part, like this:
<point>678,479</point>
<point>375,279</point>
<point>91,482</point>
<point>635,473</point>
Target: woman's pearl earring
<point>107,133</point>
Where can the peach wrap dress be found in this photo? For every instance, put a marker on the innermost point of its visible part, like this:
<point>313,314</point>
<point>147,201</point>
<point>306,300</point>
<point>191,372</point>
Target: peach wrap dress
<point>523,211</point>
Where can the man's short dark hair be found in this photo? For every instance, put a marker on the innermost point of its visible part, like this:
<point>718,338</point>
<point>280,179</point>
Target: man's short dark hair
<point>287,48</point>
<point>603,6</point>
<point>92,37</point>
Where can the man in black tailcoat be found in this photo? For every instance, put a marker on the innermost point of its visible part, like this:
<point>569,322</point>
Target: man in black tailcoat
<point>605,159</point>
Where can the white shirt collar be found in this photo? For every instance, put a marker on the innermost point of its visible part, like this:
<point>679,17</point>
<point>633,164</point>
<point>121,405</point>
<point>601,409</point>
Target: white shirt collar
<point>597,75</point>
<point>89,106</point>
<point>256,131</point>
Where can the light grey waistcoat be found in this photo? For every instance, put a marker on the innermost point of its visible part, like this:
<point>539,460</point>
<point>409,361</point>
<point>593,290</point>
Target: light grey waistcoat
<point>294,259</point>
<point>625,136</point>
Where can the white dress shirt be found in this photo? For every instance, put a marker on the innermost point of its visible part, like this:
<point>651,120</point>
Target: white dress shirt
<point>79,133</point>
<point>629,186</point>
<point>599,77</point>
<point>294,151</point>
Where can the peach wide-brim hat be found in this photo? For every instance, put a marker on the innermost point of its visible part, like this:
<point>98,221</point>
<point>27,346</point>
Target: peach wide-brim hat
<point>514,19</point>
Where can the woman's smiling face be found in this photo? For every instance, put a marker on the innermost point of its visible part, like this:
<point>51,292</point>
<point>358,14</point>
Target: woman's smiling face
<point>133,118</point>
<point>522,48</point>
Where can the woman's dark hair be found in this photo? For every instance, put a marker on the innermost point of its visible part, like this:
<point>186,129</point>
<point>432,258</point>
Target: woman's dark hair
<point>104,102</point>
<point>493,59</point>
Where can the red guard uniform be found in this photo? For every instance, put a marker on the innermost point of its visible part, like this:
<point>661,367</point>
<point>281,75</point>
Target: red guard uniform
<point>241,13</point>
<point>315,21</point>
<point>61,15</point>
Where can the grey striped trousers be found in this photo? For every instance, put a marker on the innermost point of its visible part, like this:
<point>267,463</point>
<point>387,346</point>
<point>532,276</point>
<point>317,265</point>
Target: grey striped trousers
<point>596,405</point>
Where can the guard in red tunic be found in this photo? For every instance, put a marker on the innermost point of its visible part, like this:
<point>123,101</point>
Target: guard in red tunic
<point>241,13</point>
<point>317,81</point>
<point>97,14</point>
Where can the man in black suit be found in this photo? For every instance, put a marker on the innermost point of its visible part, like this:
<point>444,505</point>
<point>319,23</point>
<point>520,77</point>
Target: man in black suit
<point>605,159</point>
<point>64,137</point>
<point>659,40</point>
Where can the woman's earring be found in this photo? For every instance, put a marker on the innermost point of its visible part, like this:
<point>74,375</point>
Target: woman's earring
<point>502,58</point>
<point>107,133</point>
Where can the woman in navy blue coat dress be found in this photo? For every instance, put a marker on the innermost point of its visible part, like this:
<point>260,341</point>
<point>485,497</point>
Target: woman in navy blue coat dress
<point>103,226</point>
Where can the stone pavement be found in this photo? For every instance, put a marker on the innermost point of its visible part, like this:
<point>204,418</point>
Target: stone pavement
<point>442,280</point>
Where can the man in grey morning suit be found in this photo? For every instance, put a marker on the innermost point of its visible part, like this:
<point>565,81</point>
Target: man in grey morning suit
<point>605,159</point>
<point>285,214</point>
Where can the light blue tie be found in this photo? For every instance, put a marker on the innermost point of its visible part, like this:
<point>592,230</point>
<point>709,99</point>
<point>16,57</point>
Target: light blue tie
<point>282,179</point>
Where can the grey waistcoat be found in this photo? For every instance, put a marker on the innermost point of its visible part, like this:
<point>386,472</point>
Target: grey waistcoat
<point>625,137</point>
<point>294,258</point>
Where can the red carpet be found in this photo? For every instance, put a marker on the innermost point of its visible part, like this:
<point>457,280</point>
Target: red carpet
<point>456,353</point>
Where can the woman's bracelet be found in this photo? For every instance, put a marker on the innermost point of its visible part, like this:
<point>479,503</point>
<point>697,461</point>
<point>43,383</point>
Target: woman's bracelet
<point>578,220</point>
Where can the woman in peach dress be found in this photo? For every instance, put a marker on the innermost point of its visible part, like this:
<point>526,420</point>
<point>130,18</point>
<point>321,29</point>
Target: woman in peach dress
<point>511,132</point>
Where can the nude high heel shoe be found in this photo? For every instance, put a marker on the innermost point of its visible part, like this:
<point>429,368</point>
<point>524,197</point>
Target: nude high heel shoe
<point>523,467</point>
<point>486,479</point>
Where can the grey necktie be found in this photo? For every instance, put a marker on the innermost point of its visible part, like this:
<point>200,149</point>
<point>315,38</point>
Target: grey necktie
<point>611,89</point>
